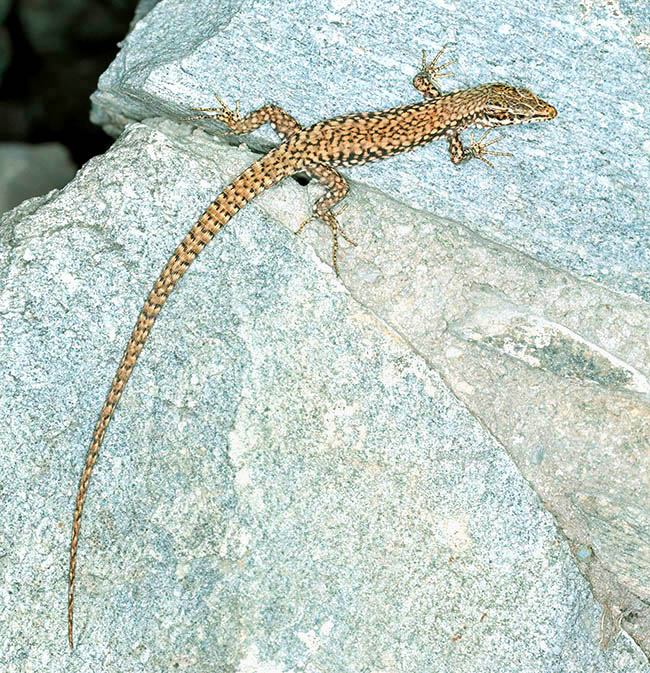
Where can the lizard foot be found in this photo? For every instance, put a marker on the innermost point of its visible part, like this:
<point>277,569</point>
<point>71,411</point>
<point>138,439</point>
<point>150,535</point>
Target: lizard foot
<point>330,219</point>
<point>223,114</point>
<point>432,71</point>
<point>476,149</point>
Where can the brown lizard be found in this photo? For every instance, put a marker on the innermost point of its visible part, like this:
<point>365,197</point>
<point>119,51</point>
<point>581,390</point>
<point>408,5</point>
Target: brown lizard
<point>349,140</point>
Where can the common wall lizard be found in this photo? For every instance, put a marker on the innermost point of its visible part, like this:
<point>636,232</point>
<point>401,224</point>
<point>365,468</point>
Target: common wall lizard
<point>348,140</point>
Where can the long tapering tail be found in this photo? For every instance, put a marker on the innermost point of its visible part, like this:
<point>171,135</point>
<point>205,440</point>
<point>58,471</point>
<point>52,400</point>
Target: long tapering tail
<point>262,174</point>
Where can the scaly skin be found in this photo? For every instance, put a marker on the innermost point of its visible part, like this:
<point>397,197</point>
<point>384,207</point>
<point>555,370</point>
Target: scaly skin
<point>349,140</point>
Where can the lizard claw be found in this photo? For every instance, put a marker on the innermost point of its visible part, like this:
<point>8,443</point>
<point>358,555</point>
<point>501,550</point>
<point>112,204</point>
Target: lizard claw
<point>432,71</point>
<point>330,219</point>
<point>476,149</point>
<point>223,114</point>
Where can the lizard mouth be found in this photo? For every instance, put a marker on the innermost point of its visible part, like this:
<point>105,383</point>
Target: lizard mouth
<point>543,112</point>
<point>550,112</point>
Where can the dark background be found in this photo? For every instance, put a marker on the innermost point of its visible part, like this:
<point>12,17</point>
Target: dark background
<point>51,55</point>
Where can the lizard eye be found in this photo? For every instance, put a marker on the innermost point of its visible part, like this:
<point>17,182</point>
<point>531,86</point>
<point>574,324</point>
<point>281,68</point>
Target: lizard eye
<point>498,112</point>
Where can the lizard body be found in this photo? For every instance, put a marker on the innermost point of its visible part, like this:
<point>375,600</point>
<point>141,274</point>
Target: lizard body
<point>348,140</point>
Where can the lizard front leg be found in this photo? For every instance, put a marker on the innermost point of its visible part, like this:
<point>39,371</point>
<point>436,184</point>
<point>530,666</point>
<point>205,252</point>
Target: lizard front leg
<point>281,122</point>
<point>475,150</point>
<point>426,81</point>
<point>337,190</point>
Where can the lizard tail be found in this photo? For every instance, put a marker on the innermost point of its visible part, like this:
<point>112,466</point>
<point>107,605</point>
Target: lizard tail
<point>261,175</point>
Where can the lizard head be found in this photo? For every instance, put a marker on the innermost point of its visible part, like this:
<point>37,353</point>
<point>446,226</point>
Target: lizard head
<point>503,105</point>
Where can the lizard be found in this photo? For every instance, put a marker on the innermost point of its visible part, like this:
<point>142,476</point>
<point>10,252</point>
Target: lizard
<point>319,149</point>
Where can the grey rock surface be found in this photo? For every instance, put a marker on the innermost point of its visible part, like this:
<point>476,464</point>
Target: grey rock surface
<point>556,368</point>
<point>286,486</point>
<point>311,475</point>
<point>573,195</point>
<point>31,170</point>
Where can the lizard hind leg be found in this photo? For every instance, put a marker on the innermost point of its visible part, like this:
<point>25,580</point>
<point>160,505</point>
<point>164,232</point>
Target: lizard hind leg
<point>281,122</point>
<point>337,190</point>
